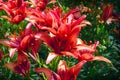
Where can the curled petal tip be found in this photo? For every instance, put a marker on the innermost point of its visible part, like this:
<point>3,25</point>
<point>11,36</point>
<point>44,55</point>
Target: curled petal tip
<point>101,58</point>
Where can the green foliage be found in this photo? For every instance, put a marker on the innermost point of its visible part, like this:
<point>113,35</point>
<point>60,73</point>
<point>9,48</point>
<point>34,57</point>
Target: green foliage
<point>102,32</point>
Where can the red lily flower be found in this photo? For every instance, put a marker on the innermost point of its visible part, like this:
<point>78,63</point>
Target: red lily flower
<point>64,32</point>
<point>24,42</point>
<point>85,52</point>
<point>21,66</point>
<point>108,14</point>
<point>51,20</point>
<point>44,19</point>
<point>63,73</point>
<point>63,40</point>
<point>15,10</point>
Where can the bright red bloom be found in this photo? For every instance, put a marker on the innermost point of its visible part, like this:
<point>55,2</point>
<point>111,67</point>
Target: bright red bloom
<point>64,33</point>
<point>52,19</point>
<point>83,53</point>
<point>15,10</point>
<point>86,52</point>
<point>23,43</point>
<point>45,19</point>
<point>63,72</point>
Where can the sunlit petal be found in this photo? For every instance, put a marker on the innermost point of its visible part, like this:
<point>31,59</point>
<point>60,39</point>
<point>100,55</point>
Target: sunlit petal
<point>62,69</point>
<point>79,41</point>
<point>12,52</point>
<point>101,58</point>
<point>50,57</point>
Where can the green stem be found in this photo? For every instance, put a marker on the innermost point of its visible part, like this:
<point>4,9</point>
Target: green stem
<point>40,64</point>
<point>59,3</point>
<point>28,76</point>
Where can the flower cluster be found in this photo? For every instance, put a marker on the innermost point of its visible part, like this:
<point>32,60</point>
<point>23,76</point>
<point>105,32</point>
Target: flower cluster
<point>58,30</point>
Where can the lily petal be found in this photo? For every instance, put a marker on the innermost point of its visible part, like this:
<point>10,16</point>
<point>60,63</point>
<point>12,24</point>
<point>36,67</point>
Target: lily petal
<point>74,70</point>
<point>82,47</point>
<point>12,52</point>
<point>28,29</point>
<point>79,41</point>
<point>62,69</point>
<point>101,58</point>
<point>85,22</point>
<point>108,11</point>
<point>69,54</point>
<point>49,74</point>
<point>9,43</point>
<point>19,2</point>
<point>52,30</point>
<point>71,12</point>
<point>43,36</point>
<point>25,41</point>
<point>19,68</point>
<point>11,66</point>
<point>6,8</point>
<point>50,57</point>
<point>77,22</point>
